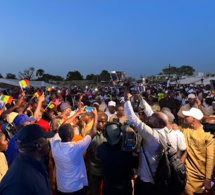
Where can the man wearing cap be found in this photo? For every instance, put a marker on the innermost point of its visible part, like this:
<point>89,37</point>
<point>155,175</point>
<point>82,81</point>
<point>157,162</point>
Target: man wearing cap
<point>192,103</point>
<point>111,109</point>
<point>27,174</point>
<point>67,115</point>
<point>176,137</point>
<point>200,153</point>
<point>96,105</point>
<point>19,121</point>
<point>122,101</point>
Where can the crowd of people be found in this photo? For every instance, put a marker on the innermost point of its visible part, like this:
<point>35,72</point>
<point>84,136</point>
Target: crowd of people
<point>51,144</point>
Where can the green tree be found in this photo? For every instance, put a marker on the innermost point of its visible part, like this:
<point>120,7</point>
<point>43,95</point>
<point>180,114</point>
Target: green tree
<point>90,77</point>
<point>170,70</point>
<point>48,77</point>
<point>10,76</point>
<point>57,78</point>
<point>96,78</point>
<point>27,74</point>
<point>105,75</point>
<point>186,70</point>
<point>1,76</point>
<point>39,73</point>
<point>74,75</point>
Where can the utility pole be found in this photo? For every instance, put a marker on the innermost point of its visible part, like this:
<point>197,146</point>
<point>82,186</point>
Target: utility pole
<point>169,71</point>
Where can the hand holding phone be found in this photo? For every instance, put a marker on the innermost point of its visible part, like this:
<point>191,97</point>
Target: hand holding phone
<point>89,108</point>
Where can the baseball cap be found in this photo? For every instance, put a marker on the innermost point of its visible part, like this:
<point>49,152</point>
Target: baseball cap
<point>11,116</point>
<point>96,103</point>
<point>111,103</point>
<point>64,106</point>
<point>32,132</point>
<point>44,124</point>
<point>121,99</point>
<point>192,96</point>
<point>194,112</point>
<point>22,118</point>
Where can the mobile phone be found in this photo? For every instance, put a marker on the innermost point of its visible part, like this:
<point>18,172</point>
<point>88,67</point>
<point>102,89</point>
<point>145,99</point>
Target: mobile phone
<point>89,108</point>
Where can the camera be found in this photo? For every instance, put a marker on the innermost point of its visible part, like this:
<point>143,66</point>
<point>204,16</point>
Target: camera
<point>10,128</point>
<point>133,87</point>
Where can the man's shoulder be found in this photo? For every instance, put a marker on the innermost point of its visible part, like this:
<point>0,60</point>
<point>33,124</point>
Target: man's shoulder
<point>112,117</point>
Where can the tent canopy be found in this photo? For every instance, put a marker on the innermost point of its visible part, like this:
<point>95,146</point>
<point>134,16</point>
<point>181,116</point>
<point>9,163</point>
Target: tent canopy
<point>9,83</point>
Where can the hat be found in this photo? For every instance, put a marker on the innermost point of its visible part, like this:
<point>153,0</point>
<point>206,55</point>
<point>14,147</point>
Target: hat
<point>192,96</point>
<point>165,108</point>
<point>22,118</point>
<point>44,124</point>
<point>194,112</point>
<point>112,103</point>
<point>122,99</point>
<point>32,132</point>
<point>11,116</point>
<point>96,103</point>
<point>64,106</point>
<point>112,134</point>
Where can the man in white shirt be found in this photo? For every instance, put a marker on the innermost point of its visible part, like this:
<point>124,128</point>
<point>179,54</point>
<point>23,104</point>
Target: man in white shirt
<point>156,123</point>
<point>71,173</point>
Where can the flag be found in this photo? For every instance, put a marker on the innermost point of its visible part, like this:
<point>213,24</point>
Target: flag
<point>37,94</point>
<point>23,83</point>
<point>51,105</point>
<point>6,98</point>
<point>49,88</point>
<point>213,92</point>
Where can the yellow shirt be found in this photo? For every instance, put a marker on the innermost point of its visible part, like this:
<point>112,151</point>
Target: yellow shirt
<point>86,128</point>
<point>200,158</point>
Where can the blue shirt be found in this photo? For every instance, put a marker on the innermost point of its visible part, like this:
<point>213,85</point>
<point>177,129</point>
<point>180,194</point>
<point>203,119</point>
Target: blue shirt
<point>13,150</point>
<point>26,176</point>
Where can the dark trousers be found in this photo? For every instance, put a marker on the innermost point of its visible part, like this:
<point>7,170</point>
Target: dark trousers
<point>95,184</point>
<point>79,192</point>
<point>144,188</point>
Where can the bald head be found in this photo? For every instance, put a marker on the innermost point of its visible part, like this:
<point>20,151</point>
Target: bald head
<point>157,120</point>
<point>163,119</point>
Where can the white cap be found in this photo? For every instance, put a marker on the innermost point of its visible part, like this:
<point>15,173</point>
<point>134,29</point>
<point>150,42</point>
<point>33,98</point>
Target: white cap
<point>192,96</point>
<point>194,112</point>
<point>112,103</point>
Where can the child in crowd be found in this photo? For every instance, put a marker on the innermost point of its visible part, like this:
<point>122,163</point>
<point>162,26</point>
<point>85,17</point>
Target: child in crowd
<point>3,161</point>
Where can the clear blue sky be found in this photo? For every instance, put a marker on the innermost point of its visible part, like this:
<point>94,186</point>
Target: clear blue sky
<point>136,36</point>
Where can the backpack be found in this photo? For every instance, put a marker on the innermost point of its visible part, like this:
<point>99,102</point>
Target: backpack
<point>170,177</point>
<point>129,137</point>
